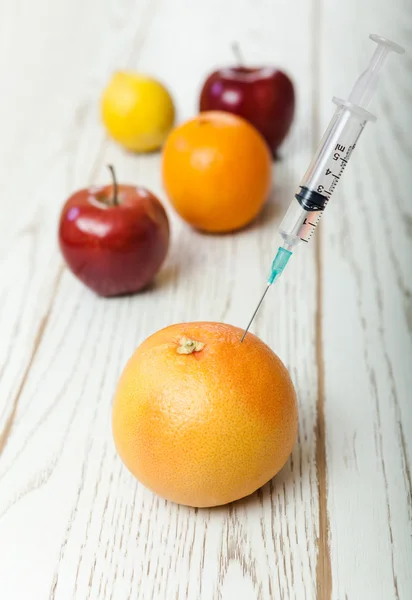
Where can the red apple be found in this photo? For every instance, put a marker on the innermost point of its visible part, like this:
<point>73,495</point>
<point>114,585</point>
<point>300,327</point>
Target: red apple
<point>114,238</point>
<point>264,96</point>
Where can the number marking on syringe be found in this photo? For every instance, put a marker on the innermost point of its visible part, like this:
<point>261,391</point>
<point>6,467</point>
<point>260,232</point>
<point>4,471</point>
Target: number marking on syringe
<point>313,225</point>
<point>329,173</point>
<point>342,153</point>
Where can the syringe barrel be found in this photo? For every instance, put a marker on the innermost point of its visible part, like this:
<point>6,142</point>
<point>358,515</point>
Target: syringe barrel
<point>323,173</point>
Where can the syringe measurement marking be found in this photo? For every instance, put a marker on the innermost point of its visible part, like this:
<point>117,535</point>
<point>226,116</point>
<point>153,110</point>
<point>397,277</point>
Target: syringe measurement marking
<point>336,178</point>
<point>314,226</point>
<point>328,192</point>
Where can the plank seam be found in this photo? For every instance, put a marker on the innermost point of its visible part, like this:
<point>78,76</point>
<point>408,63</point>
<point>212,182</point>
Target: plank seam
<point>323,567</point>
<point>5,434</point>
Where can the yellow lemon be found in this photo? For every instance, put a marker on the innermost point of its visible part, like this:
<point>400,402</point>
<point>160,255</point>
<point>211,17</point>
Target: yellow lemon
<point>137,111</point>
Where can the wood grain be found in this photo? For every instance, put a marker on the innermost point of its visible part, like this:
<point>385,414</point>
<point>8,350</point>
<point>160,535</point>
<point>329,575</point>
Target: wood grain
<point>335,523</point>
<point>367,406</point>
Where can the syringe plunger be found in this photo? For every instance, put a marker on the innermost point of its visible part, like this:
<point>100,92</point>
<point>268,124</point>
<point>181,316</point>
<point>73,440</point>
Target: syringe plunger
<point>367,82</point>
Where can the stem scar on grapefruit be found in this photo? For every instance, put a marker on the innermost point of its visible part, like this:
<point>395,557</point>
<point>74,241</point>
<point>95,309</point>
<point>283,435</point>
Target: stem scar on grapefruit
<point>202,419</point>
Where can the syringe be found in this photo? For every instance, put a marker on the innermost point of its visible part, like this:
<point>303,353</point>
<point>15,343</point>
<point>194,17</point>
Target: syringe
<point>329,162</point>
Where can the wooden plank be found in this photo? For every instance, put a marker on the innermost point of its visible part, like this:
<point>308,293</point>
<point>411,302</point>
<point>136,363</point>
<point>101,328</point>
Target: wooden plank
<point>72,519</point>
<point>366,325</point>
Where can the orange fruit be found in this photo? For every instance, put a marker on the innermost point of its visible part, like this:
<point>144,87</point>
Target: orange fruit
<point>216,171</point>
<point>201,418</point>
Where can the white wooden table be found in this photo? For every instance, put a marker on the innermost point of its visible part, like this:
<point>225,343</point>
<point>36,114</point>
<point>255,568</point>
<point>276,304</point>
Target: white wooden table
<point>336,523</point>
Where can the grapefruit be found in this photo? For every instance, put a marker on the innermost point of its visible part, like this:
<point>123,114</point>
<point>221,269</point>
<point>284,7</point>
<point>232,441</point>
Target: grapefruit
<point>201,418</point>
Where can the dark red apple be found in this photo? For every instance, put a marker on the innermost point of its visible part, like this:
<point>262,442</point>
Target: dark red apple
<point>264,96</point>
<point>114,238</point>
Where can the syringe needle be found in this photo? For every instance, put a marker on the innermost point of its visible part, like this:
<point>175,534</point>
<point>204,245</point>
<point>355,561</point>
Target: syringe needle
<point>279,263</point>
<point>255,313</point>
